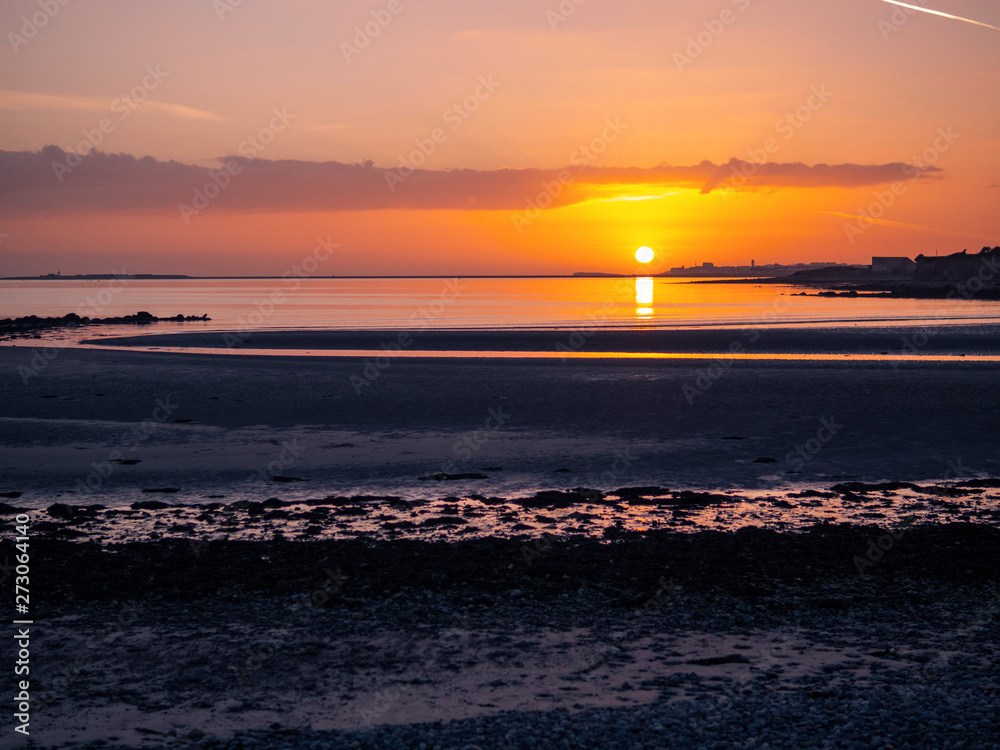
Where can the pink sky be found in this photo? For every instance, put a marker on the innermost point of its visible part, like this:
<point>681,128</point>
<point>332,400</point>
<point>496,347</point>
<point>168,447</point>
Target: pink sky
<point>546,137</point>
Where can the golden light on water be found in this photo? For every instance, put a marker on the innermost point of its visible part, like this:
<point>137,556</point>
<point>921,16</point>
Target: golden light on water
<point>644,296</point>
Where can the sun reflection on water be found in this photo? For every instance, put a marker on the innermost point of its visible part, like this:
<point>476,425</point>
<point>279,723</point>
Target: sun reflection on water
<point>643,296</point>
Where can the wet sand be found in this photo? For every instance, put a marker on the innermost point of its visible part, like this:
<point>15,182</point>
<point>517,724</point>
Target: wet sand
<point>220,425</point>
<point>204,641</point>
<point>753,338</point>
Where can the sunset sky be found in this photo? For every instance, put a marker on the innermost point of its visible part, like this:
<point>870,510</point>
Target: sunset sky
<point>430,137</point>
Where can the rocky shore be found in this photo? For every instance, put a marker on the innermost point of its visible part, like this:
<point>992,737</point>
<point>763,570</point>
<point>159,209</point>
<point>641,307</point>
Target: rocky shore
<point>712,640</point>
<point>30,324</point>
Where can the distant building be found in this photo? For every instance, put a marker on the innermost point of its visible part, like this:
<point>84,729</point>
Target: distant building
<point>894,266</point>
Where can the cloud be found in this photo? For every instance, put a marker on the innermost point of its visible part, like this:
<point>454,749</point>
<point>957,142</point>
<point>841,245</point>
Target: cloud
<point>122,182</point>
<point>23,100</point>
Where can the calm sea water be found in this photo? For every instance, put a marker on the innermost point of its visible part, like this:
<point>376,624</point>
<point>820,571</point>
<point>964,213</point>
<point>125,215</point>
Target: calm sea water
<point>399,304</point>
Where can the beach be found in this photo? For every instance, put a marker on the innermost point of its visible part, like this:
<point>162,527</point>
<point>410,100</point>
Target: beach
<point>282,551</point>
<point>500,376</point>
<point>658,640</point>
<point>364,425</point>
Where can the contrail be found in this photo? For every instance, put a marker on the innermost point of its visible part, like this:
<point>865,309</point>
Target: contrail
<point>942,14</point>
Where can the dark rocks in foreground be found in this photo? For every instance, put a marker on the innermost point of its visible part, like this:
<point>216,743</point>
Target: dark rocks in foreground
<point>750,563</point>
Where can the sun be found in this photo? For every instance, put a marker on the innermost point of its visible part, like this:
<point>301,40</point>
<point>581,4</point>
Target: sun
<point>644,254</point>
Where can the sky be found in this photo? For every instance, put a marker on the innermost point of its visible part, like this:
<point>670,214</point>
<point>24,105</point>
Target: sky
<point>230,137</point>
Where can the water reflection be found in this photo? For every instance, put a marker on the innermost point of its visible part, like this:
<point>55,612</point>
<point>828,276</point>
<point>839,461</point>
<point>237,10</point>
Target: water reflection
<point>644,296</point>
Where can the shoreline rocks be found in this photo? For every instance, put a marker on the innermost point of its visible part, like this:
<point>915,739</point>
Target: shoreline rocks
<point>32,323</point>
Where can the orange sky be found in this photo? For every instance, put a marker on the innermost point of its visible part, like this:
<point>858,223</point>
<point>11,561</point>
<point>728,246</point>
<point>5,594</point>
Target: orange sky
<point>546,137</point>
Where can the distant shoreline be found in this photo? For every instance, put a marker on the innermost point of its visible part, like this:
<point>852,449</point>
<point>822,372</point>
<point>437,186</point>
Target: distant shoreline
<point>699,278</point>
<point>153,277</point>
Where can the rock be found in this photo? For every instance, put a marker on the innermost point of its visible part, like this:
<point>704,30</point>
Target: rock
<point>61,510</point>
<point>445,521</point>
<point>687,497</point>
<point>558,499</point>
<point>845,487</point>
<point>712,661</point>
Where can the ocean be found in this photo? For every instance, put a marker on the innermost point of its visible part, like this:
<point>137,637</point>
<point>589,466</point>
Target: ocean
<point>469,303</point>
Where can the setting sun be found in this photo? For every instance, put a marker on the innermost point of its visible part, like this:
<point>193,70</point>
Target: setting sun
<point>644,254</point>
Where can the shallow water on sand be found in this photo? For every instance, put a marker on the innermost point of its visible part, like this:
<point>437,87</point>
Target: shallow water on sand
<point>494,303</point>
